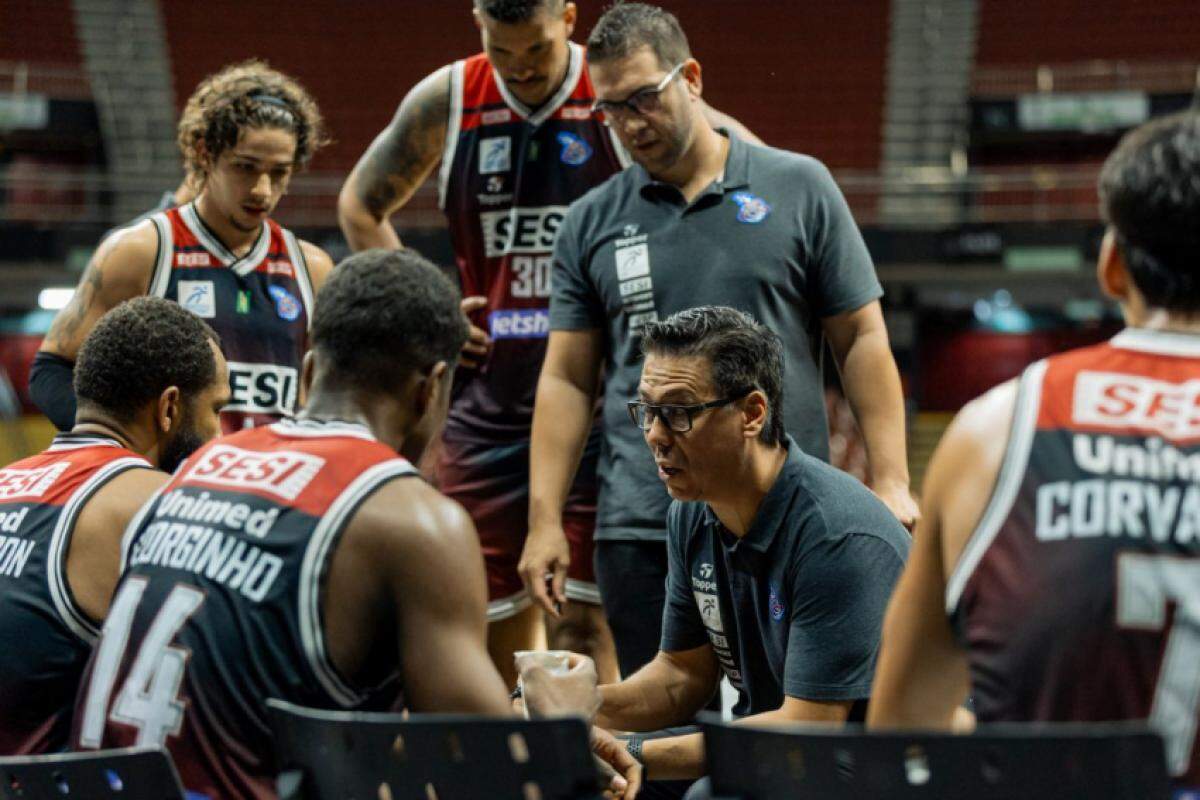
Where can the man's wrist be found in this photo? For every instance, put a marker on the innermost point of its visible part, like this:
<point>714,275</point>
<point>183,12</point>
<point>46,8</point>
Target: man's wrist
<point>634,744</point>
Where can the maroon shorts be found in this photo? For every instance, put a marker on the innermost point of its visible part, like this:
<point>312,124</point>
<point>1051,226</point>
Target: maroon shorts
<point>492,483</point>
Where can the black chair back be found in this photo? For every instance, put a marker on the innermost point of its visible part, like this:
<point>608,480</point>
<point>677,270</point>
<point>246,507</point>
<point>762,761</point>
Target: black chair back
<point>128,774</point>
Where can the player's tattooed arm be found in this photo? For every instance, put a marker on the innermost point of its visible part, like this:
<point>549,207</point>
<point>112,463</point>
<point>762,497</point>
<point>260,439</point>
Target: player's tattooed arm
<point>119,269</point>
<point>396,164</point>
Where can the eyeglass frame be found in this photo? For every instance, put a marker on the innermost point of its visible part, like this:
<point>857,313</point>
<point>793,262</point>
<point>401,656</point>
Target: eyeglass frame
<point>690,410</point>
<point>615,108</point>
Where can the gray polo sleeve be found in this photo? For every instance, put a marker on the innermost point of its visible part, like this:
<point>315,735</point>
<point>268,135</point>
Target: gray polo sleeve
<point>838,599</point>
<point>574,304</point>
<point>682,627</point>
<point>842,275</point>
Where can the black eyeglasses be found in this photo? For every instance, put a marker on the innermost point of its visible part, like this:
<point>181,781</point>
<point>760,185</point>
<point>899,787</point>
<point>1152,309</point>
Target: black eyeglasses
<point>677,418</point>
<point>646,101</point>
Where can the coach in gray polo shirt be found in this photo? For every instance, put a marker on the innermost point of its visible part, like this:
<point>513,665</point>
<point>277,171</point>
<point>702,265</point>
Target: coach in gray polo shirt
<point>701,218</point>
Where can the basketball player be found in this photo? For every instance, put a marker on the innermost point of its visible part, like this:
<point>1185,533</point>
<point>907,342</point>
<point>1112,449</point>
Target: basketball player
<point>306,559</point>
<point>517,141</point>
<point>243,133</point>
<point>1055,574</point>
<point>150,381</point>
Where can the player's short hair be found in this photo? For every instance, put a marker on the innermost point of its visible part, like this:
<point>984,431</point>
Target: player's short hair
<point>1150,195</point>
<point>512,12</point>
<point>248,95</point>
<point>140,349</point>
<point>385,313</point>
<point>627,27</point>
<point>742,354</point>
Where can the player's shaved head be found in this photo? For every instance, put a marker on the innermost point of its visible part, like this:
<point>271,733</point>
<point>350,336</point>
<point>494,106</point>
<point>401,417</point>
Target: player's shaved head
<point>513,12</point>
<point>628,27</point>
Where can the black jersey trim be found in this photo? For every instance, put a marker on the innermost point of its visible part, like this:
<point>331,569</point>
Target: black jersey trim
<point>1008,483</point>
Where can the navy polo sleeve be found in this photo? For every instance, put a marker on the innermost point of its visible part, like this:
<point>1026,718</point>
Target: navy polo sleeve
<point>838,601</point>
<point>574,304</point>
<point>682,627</point>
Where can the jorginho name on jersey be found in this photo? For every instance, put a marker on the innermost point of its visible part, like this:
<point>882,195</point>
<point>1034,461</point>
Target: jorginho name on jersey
<point>1078,594</point>
<point>260,305</point>
<point>45,638</point>
<point>508,175</point>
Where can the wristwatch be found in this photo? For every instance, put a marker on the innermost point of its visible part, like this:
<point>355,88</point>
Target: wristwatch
<point>634,746</point>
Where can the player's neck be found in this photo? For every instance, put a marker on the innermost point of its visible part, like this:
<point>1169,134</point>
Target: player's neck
<point>96,423</point>
<point>759,472</point>
<point>237,241</point>
<point>1158,319</point>
<point>346,405</point>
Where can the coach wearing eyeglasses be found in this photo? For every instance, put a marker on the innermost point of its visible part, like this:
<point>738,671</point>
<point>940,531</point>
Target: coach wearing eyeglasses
<point>779,565</point>
<point>700,218</point>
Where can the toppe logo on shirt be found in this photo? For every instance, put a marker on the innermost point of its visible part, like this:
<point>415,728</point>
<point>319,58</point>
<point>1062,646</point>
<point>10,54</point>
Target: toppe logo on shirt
<point>752,209</point>
<point>575,151</point>
<point>286,305</point>
<point>775,604</point>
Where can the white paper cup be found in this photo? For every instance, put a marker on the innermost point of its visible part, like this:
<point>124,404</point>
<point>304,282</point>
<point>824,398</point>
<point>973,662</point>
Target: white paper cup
<point>553,661</point>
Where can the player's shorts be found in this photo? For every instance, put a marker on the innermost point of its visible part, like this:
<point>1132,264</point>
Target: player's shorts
<point>491,480</point>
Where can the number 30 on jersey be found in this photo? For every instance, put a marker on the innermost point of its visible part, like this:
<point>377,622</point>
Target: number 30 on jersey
<point>531,276</point>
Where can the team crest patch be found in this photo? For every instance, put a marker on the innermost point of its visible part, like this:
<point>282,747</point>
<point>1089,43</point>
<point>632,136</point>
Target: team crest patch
<point>198,297</point>
<point>286,304</point>
<point>775,604</point>
<point>575,151</point>
<point>752,209</point>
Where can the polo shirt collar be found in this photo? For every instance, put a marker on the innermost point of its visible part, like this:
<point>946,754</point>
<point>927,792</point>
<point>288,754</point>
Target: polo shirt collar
<point>773,507</point>
<point>737,167</point>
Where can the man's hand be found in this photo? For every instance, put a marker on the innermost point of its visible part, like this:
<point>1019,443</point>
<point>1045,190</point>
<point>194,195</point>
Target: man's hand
<point>478,344</point>
<point>546,553</point>
<point>899,500</point>
<point>547,694</point>
<point>623,771</point>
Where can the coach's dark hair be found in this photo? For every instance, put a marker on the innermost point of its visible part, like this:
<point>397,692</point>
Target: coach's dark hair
<point>247,95</point>
<point>1150,195</point>
<point>385,313</point>
<point>626,27</point>
<point>742,353</point>
<point>511,12</point>
<point>140,349</point>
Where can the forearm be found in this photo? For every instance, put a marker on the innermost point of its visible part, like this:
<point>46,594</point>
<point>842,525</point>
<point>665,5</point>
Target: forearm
<point>872,385</point>
<point>659,695</point>
<point>675,758</point>
<point>562,418</point>
<point>362,229</point>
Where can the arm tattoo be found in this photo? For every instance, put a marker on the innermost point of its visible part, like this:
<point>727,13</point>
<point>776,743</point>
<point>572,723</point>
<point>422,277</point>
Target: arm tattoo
<point>408,149</point>
<point>67,324</point>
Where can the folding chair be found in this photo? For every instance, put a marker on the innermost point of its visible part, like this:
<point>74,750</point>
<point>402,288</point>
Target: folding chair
<point>337,755</point>
<point>128,774</point>
<point>1111,761</point>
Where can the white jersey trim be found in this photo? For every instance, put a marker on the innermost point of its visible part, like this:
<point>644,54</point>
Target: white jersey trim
<point>303,279</point>
<point>62,445</point>
<point>570,81</point>
<point>242,266</point>
<point>316,429</point>
<point>316,558</point>
<point>1008,483</point>
<point>60,540</point>
<point>160,279</point>
<point>453,128</point>
<point>1164,343</point>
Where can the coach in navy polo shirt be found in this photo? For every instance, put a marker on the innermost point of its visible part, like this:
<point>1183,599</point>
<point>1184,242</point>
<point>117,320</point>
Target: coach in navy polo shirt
<point>780,566</point>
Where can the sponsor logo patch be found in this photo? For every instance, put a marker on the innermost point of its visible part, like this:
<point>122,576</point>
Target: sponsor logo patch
<point>261,388</point>
<point>519,323</point>
<point>752,209</point>
<point>29,482</point>
<point>495,117</point>
<point>198,297</point>
<point>1114,400</point>
<point>495,155</point>
<point>520,230</point>
<point>575,151</point>
<point>280,268</point>
<point>283,473</point>
<point>193,260</point>
<point>710,611</point>
<point>286,305</point>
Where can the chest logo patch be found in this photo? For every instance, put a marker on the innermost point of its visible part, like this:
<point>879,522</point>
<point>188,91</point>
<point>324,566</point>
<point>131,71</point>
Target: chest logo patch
<point>752,209</point>
<point>495,155</point>
<point>709,606</point>
<point>286,304</point>
<point>775,604</point>
<point>575,151</point>
<point>198,297</point>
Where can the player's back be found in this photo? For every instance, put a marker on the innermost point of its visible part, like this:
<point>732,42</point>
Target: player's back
<point>45,638</point>
<point>1078,595</point>
<point>220,605</point>
<point>260,304</point>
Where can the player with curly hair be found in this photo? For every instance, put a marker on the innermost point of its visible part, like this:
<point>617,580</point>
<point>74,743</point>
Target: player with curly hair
<point>243,133</point>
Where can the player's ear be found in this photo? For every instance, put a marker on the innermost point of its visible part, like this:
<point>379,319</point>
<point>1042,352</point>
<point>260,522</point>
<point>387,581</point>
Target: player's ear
<point>168,411</point>
<point>755,412</point>
<point>434,388</point>
<point>1111,270</point>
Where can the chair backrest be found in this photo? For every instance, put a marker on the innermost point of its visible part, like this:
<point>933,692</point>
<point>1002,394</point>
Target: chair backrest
<point>128,774</point>
<point>1111,761</point>
<point>325,755</point>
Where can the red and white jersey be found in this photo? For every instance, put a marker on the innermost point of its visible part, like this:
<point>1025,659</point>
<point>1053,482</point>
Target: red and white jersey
<point>259,304</point>
<point>45,638</point>
<point>508,175</point>
<point>1078,595</point>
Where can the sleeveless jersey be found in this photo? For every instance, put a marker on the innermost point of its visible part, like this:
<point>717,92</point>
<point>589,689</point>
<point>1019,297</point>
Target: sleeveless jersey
<point>508,175</point>
<point>1078,595</point>
<point>45,638</point>
<point>260,305</point>
<point>220,603</point>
